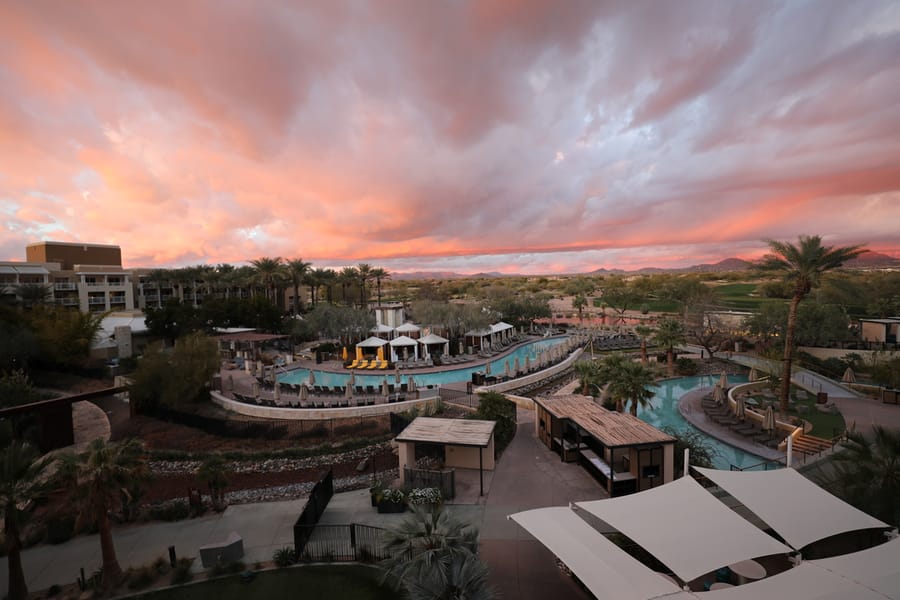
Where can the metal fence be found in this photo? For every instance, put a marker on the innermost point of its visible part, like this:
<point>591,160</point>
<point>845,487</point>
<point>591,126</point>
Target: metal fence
<point>444,480</point>
<point>312,511</point>
<point>342,543</point>
<point>458,397</point>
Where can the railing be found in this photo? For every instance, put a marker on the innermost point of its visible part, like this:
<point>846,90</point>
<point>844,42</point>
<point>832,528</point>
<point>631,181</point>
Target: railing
<point>67,301</point>
<point>97,300</point>
<point>458,397</point>
<point>775,463</point>
<point>64,286</point>
<point>342,543</point>
<point>444,480</point>
<point>312,511</point>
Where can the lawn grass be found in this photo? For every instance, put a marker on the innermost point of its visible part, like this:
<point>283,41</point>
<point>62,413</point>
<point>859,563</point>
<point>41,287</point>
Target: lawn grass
<point>350,582</point>
<point>824,425</point>
<point>739,296</point>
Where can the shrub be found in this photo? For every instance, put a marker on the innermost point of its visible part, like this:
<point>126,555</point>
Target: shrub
<point>174,510</point>
<point>495,407</point>
<point>285,557</point>
<point>685,366</point>
<point>53,590</point>
<point>227,569</point>
<point>182,571</point>
<point>141,577</point>
<point>420,496</point>
<point>392,495</point>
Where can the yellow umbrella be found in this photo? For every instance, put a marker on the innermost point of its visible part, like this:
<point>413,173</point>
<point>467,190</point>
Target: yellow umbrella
<point>344,353</point>
<point>380,354</point>
<point>359,355</point>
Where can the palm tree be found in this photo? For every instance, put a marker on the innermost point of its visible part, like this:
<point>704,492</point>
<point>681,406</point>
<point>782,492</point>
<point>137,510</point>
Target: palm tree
<point>802,266</point>
<point>379,274</point>
<point>268,272</point>
<point>213,472</point>
<point>297,270</point>
<point>327,278</point>
<point>669,334</point>
<point>606,371</point>
<point>426,542</point>
<point>586,371</point>
<point>579,302</point>
<point>868,473</point>
<point>364,276</point>
<point>21,482</point>
<point>631,386</point>
<point>643,332</point>
<point>463,577</point>
<point>106,473</point>
<point>346,277</point>
<point>33,294</point>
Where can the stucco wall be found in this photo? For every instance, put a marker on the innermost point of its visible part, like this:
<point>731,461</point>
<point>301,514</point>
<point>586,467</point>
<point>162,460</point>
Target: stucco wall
<point>533,377</point>
<point>465,457</point>
<point>316,414</point>
<point>868,356</point>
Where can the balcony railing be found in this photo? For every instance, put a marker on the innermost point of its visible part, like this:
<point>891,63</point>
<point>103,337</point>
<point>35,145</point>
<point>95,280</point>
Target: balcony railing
<point>64,286</point>
<point>67,301</point>
<point>93,301</point>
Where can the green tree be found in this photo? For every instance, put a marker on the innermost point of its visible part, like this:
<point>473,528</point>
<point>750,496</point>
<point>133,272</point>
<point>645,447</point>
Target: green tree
<point>177,377</point>
<point>364,274</point>
<point>586,372</point>
<point>868,473</point>
<point>16,389</point>
<point>631,385</point>
<point>669,333</point>
<point>578,303</point>
<point>106,474</point>
<point>886,371</point>
<point>803,266</point>
<point>621,296</point>
<point>33,294</point>
<point>702,452</point>
<point>643,332</point>
<point>213,471</point>
<point>297,271</point>
<point>21,482</point>
<point>269,273</point>
<point>493,406</point>
<point>379,275</point>
<point>430,557</point>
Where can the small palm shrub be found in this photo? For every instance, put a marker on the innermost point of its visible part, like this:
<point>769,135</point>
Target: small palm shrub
<point>285,557</point>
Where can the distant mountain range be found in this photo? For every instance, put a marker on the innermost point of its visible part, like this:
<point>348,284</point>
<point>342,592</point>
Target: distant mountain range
<point>868,260</point>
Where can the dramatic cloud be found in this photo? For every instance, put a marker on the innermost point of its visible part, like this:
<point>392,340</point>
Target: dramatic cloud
<point>525,136</point>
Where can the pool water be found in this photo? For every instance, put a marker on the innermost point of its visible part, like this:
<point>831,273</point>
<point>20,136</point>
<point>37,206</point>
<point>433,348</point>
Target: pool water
<point>374,378</point>
<point>664,412</point>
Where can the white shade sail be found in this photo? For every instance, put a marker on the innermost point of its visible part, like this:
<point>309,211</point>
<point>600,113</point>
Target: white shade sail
<point>805,582</point>
<point>878,567</point>
<point>606,570</point>
<point>784,499</point>
<point>666,521</point>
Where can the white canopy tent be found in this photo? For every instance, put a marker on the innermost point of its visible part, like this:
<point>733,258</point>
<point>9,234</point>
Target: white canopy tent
<point>666,521</point>
<point>433,340</point>
<point>409,329</point>
<point>788,511</point>
<point>501,331</point>
<point>403,342</point>
<point>372,342</point>
<point>382,329</point>
<point>606,570</point>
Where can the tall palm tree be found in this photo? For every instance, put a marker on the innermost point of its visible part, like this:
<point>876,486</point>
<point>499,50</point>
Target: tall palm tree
<point>586,372</point>
<point>213,471</point>
<point>643,332</point>
<point>578,303</point>
<point>106,473</point>
<point>33,294</point>
<point>327,278</point>
<point>346,277</point>
<point>379,275</point>
<point>868,473</point>
<point>297,270</point>
<point>268,273</point>
<point>364,276</point>
<point>669,334</point>
<point>21,482</point>
<point>631,386</point>
<point>802,266</point>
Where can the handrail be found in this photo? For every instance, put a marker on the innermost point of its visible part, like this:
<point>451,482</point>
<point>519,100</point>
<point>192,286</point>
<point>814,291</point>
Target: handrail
<point>764,464</point>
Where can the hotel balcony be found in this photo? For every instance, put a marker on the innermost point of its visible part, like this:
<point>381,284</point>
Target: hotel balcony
<point>65,286</point>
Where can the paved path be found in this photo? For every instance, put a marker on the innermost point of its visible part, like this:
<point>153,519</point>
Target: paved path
<point>528,476</point>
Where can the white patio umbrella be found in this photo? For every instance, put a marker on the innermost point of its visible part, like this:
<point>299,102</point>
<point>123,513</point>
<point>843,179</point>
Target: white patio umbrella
<point>385,389</point>
<point>487,368</point>
<point>527,364</point>
<point>397,376</point>
<point>718,395</point>
<point>277,392</point>
<point>723,381</point>
<point>516,366</point>
<point>312,378</point>
<point>255,389</point>
<point>506,369</point>
<point>348,391</point>
<point>849,376</point>
<point>304,392</point>
<point>769,418</point>
<point>740,410</point>
<point>411,384</point>
<point>461,348</point>
<point>754,374</point>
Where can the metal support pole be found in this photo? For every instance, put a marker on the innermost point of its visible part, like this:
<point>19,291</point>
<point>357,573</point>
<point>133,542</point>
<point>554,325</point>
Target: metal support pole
<point>481,471</point>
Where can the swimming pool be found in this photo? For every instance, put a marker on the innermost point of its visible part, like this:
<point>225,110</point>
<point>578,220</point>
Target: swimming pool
<point>374,378</point>
<point>664,412</point>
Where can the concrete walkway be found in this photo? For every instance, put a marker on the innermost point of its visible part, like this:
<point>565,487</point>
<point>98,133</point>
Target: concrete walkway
<point>528,476</point>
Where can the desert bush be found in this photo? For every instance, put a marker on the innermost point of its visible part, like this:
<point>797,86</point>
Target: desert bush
<point>285,557</point>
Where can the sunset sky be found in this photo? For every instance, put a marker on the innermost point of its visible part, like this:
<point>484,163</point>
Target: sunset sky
<point>514,136</point>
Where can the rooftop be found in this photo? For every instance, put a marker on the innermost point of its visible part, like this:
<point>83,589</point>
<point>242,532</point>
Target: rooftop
<point>459,432</point>
<point>611,428</point>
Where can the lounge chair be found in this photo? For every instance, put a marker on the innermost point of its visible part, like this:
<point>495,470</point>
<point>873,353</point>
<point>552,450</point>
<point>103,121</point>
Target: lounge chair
<point>354,364</point>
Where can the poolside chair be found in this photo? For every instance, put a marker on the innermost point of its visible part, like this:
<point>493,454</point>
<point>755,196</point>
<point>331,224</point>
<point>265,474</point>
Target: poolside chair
<point>354,364</point>
<point>359,390</point>
<point>370,390</point>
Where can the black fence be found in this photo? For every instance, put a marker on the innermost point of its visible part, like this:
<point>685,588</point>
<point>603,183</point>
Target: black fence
<point>273,429</point>
<point>458,397</point>
<point>399,422</point>
<point>312,511</point>
<point>342,543</point>
<point>444,480</point>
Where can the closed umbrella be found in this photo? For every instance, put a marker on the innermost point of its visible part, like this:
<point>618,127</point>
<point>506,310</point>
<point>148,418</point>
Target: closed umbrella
<point>255,390</point>
<point>527,364</point>
<point>344,353</point>
<point>304,392</point>
<point>718,395</point>
<point>385,389</point>
<point>517,367</point>
<point>348,391</point>
<point>411,384</point>
<point>380,353</point>
<point>754,374</point>
<point>769,418</point>
<point>312,378</point>
<point>397,377</point>
<point>723,381</point>
<point>849,376</point>
<point>359,354</point>
<point>230,382</point>
<point>506,369</point>
<point>277,392</point>
<point>487,368</point>
<point>740,411</point>
<point>351,381</point>
<point>461,349</point>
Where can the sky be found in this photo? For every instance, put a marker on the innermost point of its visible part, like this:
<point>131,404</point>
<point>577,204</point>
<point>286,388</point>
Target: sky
<point>520,136</point>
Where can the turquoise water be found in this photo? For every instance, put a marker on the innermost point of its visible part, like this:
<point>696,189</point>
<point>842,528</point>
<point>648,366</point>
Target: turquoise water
<point>364,378</point>
<point>664,412</point>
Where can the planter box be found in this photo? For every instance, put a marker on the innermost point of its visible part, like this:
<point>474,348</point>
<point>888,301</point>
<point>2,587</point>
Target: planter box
<point>387,506</point>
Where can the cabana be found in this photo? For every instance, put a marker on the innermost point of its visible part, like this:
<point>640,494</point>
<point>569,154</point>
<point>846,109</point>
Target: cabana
<point>400,348</point>
<point>370,346</point>
<point>384,332</point>
<point>475,338</point>
<point>410,330</point>
<point>501,333</point>
<point>435,344</point>
<point>626,454</point>
<point>463,443</point>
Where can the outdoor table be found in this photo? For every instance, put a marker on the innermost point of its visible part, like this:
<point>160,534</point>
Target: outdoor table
<point>719,585</point>
<point>747,570</point>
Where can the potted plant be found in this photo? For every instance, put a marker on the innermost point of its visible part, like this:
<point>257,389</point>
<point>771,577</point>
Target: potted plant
<point>392,501</point>
<point>429,498</point>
